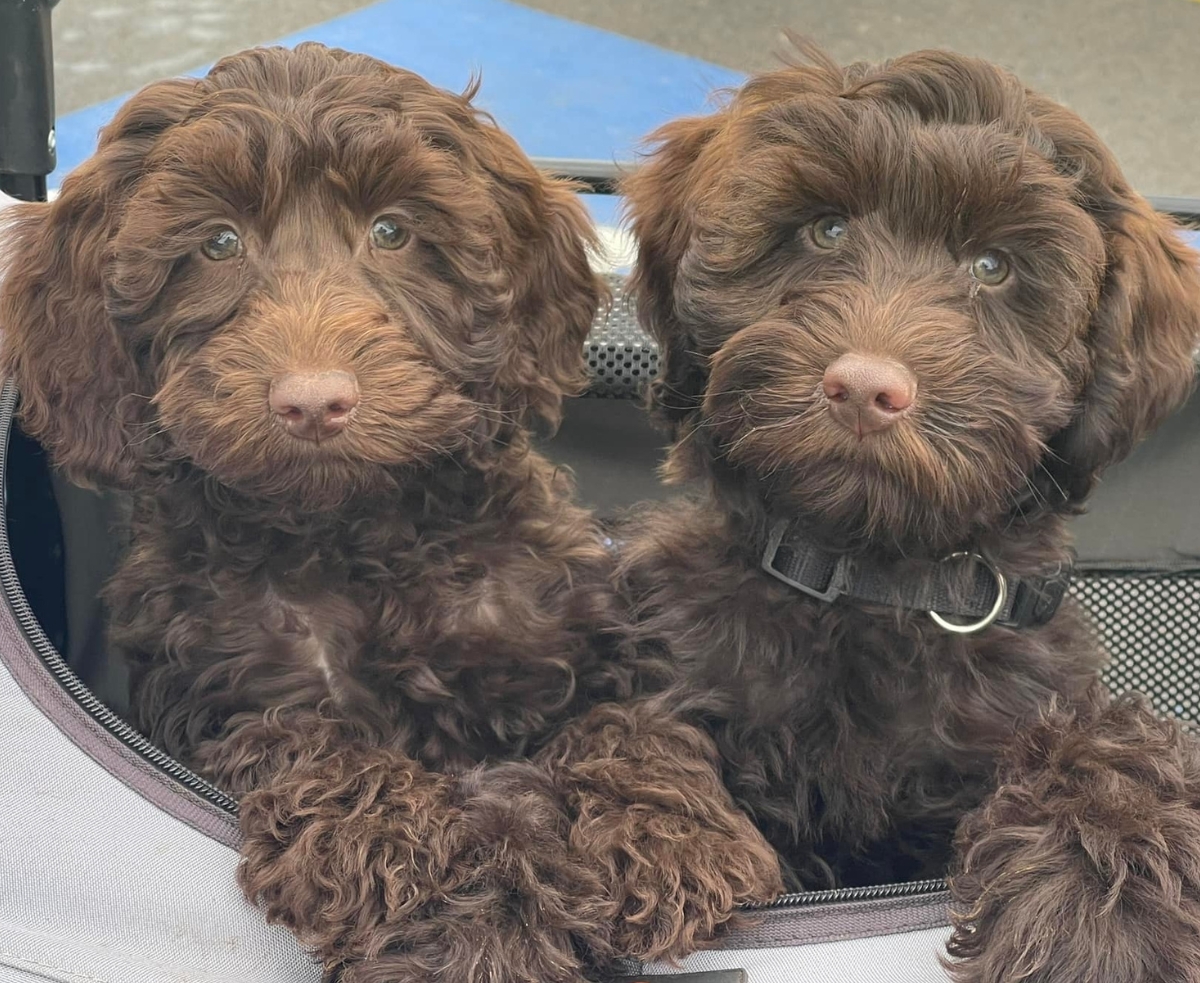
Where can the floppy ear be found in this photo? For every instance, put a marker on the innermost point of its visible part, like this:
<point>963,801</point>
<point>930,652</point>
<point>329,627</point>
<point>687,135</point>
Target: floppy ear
<point>556,293</point>
<point>1145,331</point>
<point>79,386</point>
<point>658,198</point>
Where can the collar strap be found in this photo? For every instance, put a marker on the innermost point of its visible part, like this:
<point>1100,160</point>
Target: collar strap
<point>957,603</point>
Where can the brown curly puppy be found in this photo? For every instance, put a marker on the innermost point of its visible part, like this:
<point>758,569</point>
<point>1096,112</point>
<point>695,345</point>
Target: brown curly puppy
<point>909,311</point>
<point>304,310</point>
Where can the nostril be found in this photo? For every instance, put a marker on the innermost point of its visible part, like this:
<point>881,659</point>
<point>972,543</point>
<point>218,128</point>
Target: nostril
<point>835,391</point>
<point>339,407</point>
<point>893,402</point>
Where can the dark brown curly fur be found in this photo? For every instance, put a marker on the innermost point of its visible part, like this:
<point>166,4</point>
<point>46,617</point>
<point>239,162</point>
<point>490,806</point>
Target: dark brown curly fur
<point>1093,836</point>
<point>652,819</point>
<point>858,736</point>
<point>370,636</point>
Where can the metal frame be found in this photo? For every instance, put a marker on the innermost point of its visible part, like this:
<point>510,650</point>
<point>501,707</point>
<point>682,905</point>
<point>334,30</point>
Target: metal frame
<point>599,177</point>
<point>27,141</point>
<point>27,156</point>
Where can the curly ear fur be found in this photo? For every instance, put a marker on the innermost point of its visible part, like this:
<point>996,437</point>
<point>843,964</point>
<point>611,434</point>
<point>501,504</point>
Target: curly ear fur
<point>558,295</point>
<point>657,198</point>
<point>556,291</point>
<point>79,385</point>
<point>1144,334</point>
<point>1142,342</point>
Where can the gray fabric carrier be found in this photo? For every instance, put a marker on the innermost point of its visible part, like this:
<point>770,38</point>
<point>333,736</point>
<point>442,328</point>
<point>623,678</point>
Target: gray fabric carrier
<point>117,864</point>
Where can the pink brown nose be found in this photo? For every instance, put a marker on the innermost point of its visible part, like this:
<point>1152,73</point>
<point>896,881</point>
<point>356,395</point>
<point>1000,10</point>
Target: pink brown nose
<point>867,394</point>
<point>313,405</point>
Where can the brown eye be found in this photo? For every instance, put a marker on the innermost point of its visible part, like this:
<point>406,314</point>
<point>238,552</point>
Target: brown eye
<point>386,233</point>
<point>990,268</point>
<point>827,232</point>
<point>223,245</point>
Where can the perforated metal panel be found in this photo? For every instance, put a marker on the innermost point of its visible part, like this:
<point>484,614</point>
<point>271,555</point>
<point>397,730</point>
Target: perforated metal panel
<point>1151,628</point>
<point>621,357</point>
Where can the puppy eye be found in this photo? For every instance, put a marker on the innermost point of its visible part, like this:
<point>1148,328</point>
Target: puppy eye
<point>990,268</point>
<point>827,232</point>
<point>387,233</point>
<point>223,245</point>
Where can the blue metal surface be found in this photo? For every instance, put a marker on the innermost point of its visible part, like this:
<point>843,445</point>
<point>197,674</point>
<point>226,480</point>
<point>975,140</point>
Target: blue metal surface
<point>562,89</point>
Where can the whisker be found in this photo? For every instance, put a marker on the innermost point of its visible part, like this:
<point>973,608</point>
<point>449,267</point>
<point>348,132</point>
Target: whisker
<point>790,421</point>
<point>145,438</point>
<point>1053,480</point>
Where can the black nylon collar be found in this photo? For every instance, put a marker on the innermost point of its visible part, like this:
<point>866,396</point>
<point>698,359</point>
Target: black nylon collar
<point>956,603</point>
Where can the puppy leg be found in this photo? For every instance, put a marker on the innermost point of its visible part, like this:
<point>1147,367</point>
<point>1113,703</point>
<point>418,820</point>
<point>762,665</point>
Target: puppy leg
<point>652,816</point>
<point>390,873</point>
<point>341,838</point>
<point>513,904</point>
<point>1085,865</point>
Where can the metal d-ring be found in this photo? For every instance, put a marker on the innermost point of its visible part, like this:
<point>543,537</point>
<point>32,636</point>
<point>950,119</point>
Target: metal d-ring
<point>992,615</point>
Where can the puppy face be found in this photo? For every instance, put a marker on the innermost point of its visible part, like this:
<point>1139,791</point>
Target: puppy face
<point>302,274</point>
<point>905,300</point>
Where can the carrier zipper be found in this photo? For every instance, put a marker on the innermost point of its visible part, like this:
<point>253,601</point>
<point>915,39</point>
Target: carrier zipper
<point>54,662</point>
<point>878,892</point>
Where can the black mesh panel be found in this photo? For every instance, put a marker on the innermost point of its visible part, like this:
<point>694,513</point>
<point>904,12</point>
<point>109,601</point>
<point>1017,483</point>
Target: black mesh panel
<point>1151,628</point>
<point>621,357</point>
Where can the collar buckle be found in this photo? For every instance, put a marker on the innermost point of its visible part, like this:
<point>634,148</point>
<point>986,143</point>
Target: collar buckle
<point>808,578</point>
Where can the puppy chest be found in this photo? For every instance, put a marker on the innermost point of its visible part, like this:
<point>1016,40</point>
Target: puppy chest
<point>320,639</point>
<point>819,704</point>
<point>433,656</point>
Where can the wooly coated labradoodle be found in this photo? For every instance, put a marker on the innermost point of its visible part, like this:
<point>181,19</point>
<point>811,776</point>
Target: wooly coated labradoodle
<point>305,310</point>
<point>908,313</point>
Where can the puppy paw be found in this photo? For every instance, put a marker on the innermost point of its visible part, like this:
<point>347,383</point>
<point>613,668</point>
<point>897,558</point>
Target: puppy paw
<point>679,878</point>
<point>653,817</point>
<point>334,845</point>
<point>512,904</point>
<point>1084,866</point>
<point>512,860</point>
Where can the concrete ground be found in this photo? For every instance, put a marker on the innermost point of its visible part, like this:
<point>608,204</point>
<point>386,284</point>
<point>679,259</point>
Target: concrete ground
<point>1128,66</point>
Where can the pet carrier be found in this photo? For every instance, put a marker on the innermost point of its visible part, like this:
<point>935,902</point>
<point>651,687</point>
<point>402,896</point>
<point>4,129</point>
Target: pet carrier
<point>117,864</point>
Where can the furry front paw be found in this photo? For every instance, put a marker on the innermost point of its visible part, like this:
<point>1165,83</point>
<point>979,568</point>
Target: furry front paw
<point>679,879</point>
<point>1084,866</point>
<point>338,844</point>
<point>652,816</point>
<point>514,904</point>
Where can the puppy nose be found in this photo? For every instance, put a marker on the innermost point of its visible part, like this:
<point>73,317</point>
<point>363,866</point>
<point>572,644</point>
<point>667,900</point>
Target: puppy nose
<point>866,394</point>
<point>313,405</point>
